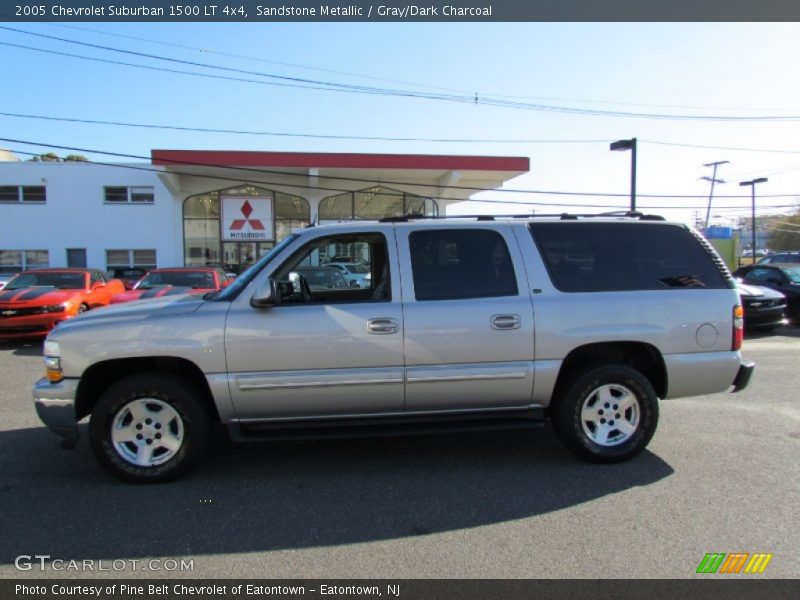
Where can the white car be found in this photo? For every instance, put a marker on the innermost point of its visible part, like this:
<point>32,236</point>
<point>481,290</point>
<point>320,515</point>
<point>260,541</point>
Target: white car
<point>356,274</point>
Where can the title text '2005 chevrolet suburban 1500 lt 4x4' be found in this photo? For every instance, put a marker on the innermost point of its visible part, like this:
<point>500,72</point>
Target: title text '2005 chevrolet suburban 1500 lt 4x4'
<point>587,320</point>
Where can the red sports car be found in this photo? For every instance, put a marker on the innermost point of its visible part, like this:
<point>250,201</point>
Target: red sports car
<point>34,302</point>
<point>129,276</point>
<point>175,280</point>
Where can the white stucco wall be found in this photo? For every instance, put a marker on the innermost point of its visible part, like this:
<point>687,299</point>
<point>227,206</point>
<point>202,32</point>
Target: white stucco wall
<point>76,216</point>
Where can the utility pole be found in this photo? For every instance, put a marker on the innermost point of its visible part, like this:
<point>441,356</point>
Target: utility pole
<point>713,179</point>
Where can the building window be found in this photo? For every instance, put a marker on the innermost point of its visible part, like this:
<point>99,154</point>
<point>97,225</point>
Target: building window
<point>23,193</point>
<point>374,203</point>
<point>15,261</point>
<point>129,195</point>
<point>117,259</point>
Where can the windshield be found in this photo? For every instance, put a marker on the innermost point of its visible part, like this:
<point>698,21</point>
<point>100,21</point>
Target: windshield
<point>242,281</point>
<point>62,281</point>
<point>192,279</point>
<point>357,268</point>
<point>793,273</point>
<point>129,273</point>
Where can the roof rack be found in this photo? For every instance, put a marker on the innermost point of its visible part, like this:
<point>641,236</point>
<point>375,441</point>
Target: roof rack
<point>562,216</point>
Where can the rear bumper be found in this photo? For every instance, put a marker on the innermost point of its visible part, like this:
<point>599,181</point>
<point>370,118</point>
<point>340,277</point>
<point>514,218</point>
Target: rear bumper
<point>55,405</point>
<point>743,376</point>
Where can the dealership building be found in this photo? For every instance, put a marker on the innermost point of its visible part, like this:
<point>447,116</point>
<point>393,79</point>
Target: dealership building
<point>221,208</point>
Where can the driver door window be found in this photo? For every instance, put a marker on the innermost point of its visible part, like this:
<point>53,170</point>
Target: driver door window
<point>336,269</point>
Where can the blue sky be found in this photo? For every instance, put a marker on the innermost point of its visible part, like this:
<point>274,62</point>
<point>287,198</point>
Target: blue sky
<point>718,68</point>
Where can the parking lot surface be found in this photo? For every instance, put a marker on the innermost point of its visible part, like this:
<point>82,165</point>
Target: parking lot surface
<point>721,475</point>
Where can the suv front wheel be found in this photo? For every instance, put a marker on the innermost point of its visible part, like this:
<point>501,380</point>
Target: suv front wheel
<point>607,414</point>
<point>148,428</point>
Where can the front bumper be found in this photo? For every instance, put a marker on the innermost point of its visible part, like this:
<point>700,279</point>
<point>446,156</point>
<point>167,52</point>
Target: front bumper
<point>55,405</point>
<point>28,326</point>
<point>764,316</point>
<point>743,376</point>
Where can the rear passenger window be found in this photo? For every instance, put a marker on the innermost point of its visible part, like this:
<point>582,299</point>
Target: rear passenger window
<point>450,264</point>
<point>597,257</point>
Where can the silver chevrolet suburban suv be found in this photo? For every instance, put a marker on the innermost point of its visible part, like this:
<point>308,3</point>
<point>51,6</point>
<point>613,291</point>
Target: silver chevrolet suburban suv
<point>476,322</point>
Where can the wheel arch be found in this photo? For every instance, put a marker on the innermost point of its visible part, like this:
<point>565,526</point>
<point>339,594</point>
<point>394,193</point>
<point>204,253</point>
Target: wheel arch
<point>641,356</point>
<point>102,375</point>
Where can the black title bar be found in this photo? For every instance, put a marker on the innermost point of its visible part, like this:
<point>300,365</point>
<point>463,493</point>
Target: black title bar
<point>399,11</point>
<point>710,588</point>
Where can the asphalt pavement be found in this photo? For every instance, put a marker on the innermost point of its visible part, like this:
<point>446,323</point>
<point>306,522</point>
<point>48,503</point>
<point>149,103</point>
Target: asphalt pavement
<point>721,475</point>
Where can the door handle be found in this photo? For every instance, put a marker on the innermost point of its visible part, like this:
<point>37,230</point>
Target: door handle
<point>501,322</point>
<point>383,326</point>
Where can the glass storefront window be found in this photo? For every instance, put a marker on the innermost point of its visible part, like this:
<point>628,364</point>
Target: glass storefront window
<point>205,206</point>
<point>201,242</point>
<point>201,227</point>
<point>375,203</point>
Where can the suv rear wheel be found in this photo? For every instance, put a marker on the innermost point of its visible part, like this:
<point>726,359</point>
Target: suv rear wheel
<point>148,428</point>
<point>607,414</point>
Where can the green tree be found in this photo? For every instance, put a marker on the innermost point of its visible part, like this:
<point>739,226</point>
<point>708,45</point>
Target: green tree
<point>75,158</point>
<point>46,157</point>
<point>785,232</point>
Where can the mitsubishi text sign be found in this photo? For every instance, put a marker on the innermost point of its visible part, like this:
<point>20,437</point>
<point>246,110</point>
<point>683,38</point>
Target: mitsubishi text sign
<point>247,219</point>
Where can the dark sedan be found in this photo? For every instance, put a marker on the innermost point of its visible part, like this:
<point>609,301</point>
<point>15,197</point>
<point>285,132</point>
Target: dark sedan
<point>784,278</point>
<point>780,257</point>
<point>763,308</point>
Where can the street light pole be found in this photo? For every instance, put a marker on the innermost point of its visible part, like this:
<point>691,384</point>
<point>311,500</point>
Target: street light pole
<point>752,184</point>
<point>629,145</point>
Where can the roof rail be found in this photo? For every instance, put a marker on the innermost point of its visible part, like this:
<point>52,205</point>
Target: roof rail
<point>562,216</point>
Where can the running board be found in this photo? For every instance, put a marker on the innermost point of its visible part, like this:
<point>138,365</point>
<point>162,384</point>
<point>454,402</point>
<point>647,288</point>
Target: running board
<point>383,427</point>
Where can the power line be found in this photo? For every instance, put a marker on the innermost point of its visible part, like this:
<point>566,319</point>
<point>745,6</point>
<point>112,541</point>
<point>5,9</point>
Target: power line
<point>301,135</point>
<point>371,181</point>
<point>402,82</point>
<point>258,58</point>
<point>391,138</point>
<point>251,181</point>
<point>731,148</point>
<point>335,86</point>
<point>296,80</point>
<point>163,69</point>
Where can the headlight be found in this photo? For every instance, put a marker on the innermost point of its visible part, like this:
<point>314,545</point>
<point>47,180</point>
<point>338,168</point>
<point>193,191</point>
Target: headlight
<point>53,308</point>
<point>52,361</point>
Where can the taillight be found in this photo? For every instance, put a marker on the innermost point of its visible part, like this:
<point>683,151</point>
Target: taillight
<point>738,327</point>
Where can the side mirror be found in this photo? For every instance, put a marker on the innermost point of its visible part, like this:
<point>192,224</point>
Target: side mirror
<point>266,295</point>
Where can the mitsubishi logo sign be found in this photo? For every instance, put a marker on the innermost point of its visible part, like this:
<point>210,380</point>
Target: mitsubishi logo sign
<point>247,219</point>
<point>247,210</point>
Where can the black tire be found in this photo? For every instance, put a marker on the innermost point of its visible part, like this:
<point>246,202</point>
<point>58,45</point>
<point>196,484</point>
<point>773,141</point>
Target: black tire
<point>173,401</point>
<point>583,389</point>
<point>82,309</point>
